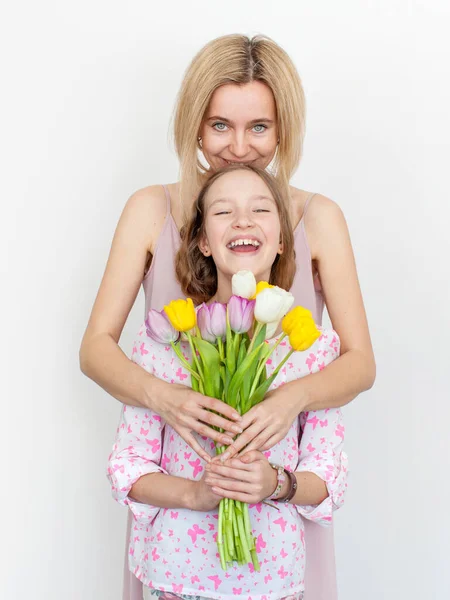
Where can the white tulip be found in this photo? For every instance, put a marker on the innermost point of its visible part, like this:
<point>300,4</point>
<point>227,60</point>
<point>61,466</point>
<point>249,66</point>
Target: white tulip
<point>243,284</point>
<point>271,329</point>
<point>272,304</point>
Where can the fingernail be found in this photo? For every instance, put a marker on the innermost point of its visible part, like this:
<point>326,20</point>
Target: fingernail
<point>225,456</point>
<point>236,429</point>
<point>228,441</point>
<point>236,416</point>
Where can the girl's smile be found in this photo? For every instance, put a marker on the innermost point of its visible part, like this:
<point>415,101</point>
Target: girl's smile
<point>242,227</point>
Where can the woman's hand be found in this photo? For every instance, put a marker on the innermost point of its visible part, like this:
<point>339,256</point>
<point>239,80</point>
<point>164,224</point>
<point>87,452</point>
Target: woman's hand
<point>251,481</point>
<point>187,411</point>
<point>266,423</point>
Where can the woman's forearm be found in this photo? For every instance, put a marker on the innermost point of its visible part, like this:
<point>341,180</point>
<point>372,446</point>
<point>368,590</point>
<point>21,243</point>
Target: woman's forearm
<point>164,491</point>
<point>103,361</point>
<point>336,385</point>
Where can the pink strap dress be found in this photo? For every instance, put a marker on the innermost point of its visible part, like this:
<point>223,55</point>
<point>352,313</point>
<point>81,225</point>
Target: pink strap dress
<point>160,286</point>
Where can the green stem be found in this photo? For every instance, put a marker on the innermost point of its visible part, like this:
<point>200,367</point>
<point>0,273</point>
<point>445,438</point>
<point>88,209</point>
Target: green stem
<point>194,355</point>
<point>220,347</point>
<point>275,373</point>
<point>263,364</point>
<point>259,326</point>
<point>184,361</point>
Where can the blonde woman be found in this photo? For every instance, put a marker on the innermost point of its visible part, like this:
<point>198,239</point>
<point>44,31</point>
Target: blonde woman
<point>241,101</point>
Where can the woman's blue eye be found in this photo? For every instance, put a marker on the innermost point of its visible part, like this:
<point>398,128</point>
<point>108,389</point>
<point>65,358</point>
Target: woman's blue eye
<point>259,128</point>
<point>219,126</point>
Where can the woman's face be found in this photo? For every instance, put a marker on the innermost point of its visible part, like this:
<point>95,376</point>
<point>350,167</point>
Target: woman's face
<point>242,226</point>
<point>240,126</point>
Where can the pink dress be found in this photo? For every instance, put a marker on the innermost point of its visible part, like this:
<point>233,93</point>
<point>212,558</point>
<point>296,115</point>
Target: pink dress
<point>176,550</point>
<point>160,286</point>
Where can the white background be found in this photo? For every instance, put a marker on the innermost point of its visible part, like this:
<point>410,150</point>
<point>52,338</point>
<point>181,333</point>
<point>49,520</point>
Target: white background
<point>87,94</point>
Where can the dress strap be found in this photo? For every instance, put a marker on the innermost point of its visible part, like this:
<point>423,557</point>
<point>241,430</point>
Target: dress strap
<point>308,200</point>
<point>167,193</point>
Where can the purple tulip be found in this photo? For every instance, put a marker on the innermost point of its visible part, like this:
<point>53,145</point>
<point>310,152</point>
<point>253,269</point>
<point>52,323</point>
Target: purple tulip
<point>212,321</point>
<point>240,313</point>
<point>159,328</point>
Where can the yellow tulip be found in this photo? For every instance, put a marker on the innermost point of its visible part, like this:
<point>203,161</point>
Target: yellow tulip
<point>181,313</point>
<point>260,286</point>
<point>294,316</point>
<point>303,337</point>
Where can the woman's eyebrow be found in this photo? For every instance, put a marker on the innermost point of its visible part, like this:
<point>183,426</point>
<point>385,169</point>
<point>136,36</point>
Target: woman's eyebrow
<point>252,122</point>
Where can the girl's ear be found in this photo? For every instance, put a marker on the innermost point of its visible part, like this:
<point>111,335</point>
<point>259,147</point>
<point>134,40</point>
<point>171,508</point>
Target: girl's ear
<point>204,247</point>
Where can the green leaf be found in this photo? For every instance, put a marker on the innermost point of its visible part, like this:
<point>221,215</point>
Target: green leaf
<point>236,381</point>
<point>211,367</point>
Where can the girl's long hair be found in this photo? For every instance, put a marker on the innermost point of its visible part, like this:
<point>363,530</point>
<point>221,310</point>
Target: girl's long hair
<point>197,273</point>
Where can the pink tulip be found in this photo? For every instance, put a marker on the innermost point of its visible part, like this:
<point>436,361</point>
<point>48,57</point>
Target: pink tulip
<point>159,327</point>
<point>240,313</point>
<point>212,321</point>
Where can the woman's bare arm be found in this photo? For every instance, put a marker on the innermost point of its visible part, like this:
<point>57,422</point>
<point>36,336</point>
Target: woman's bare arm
<point>354,371</point>
<point>101,358</point>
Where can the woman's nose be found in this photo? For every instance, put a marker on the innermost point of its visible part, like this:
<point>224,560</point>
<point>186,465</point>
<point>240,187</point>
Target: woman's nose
<point>239,146</point>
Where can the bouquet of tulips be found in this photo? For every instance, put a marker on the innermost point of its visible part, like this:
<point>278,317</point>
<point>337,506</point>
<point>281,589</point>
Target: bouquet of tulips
<point>230,364</point>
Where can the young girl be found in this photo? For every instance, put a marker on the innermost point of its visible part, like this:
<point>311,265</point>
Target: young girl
<point>240,222</point>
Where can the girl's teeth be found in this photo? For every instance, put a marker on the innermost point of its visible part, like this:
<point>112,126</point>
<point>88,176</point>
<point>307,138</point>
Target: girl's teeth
<point>244,242</point>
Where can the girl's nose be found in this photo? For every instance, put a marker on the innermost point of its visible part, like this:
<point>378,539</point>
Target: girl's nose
<point>243,220</point>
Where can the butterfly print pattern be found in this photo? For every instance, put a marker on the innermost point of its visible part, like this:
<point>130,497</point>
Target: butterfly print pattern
<point>173,551</point>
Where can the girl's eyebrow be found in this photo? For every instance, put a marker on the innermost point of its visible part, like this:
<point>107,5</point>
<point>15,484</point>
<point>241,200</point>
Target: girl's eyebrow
<point>256,197</point>
<point>252,122</point>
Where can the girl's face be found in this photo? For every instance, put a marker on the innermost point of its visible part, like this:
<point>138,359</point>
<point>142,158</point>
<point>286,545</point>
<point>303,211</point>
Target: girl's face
<point>240,126</point>
<point>242,226</point>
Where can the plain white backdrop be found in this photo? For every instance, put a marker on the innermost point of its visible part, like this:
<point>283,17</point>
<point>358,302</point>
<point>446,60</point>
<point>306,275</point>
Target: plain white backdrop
<point>87,95</point>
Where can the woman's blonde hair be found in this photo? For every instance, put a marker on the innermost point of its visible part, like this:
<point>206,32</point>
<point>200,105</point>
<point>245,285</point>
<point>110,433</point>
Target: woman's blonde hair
<point>239,59</point>
<point>197,273</point>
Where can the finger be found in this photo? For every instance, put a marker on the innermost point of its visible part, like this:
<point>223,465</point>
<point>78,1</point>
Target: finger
<point>230,485</point>
<point>258,441</point>
<point>218,421</point>
<point>271,442</point>
<point>242,473</point>
<point>242,441</point>
<point>205,431</point>
<point>249,456</point>
<point>222,408</point>
<point>241,497</point>
<point>192,442</point>
<point>223,482</point>
<point>234,463</point>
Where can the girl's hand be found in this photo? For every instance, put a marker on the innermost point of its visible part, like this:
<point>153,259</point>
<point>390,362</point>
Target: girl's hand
<point>266,423</point>
<point>203,498</point>
<point>186,411</point>
<point>250,481</point>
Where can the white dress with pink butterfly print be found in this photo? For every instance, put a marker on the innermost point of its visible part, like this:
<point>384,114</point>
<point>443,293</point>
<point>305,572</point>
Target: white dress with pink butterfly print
<point>175,550</point>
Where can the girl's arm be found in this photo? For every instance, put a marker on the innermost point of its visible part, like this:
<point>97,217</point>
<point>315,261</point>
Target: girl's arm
<point>136,470</point>
<point>101,358</point>
<point>354,371</point>
<point>322,471</point>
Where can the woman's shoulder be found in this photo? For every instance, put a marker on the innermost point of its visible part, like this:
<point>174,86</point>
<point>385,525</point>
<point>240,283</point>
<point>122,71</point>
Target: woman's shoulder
<point>324,219</point>
<point>318,202</point>
<point>148,207</point>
